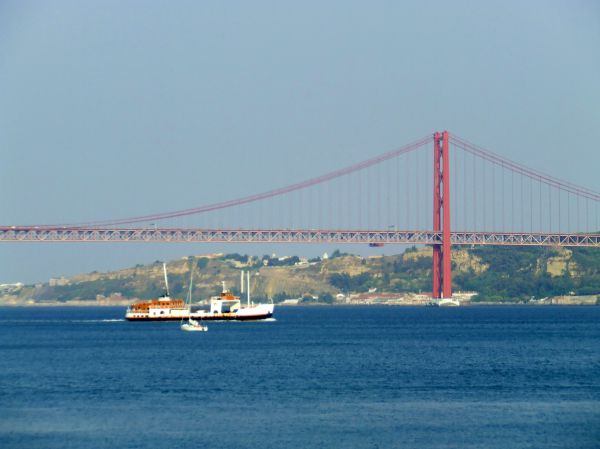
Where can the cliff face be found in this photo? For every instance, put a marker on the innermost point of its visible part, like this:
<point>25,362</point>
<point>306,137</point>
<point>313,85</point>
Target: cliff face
<point>496,273</point>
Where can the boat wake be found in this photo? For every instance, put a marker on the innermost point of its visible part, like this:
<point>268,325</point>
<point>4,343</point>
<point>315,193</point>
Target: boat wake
<point>107,320</point>
<point>261,320</point>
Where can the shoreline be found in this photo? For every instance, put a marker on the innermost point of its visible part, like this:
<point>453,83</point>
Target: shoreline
<point>84,304</point>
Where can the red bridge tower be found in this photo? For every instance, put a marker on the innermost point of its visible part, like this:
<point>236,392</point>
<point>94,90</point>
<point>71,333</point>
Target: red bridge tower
<point>442,268</point>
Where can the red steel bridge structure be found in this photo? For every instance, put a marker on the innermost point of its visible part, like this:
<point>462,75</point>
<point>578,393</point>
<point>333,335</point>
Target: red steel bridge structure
<point>385,200</point>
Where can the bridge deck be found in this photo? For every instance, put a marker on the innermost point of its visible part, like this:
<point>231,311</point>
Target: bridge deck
<point>180,235</point>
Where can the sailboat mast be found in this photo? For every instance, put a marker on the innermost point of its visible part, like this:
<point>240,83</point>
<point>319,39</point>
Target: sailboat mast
<point>191,284</point>
<point>248,293</point>
<point>166,280</point>
<point>242,281</point>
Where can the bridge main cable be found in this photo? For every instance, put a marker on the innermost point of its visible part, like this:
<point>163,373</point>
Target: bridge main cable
<point>260,196</point>
<point>490,156</point>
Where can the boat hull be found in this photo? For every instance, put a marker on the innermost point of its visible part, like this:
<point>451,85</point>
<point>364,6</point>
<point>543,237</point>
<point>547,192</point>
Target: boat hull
<point>203,317</point>
<point>191,328</point>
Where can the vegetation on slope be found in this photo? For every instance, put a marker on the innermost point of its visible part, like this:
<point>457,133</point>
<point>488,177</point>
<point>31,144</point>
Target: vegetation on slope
<point>519,273</point>
<point>496,273</point>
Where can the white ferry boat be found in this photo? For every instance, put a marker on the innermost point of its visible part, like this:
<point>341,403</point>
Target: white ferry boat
<point>225,307</point>
<point>161,309</point>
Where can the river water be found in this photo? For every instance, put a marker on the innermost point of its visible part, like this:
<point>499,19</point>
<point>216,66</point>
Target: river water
<point>317,377</point>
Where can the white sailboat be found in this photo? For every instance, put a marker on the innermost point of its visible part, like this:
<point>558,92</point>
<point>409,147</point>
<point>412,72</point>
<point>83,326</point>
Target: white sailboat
<point>192,325</point>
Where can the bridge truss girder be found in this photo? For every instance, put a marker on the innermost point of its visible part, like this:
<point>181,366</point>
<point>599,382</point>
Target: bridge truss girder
<point>193,235</point>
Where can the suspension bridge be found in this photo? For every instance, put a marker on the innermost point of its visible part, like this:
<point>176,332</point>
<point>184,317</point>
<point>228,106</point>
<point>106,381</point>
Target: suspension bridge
<point>441,190</point>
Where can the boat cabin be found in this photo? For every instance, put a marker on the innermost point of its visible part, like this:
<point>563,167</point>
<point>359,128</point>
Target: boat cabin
<point>226,302</point>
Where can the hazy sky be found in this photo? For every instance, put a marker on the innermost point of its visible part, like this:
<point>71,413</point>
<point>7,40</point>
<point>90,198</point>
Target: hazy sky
<point>119,108</point>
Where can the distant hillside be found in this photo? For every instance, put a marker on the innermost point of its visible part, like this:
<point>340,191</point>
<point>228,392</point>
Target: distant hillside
<point>496,273</point>
<point>524,272</point>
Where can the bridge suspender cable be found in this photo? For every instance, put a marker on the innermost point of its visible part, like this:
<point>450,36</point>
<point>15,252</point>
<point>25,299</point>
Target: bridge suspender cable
<point>260,196</point>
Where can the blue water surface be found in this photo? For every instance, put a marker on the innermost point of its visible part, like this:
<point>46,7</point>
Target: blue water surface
<point>317,377</point>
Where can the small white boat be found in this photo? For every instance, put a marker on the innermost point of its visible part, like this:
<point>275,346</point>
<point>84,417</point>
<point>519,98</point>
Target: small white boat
<point>448,302</point>
<point>192,325</point>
